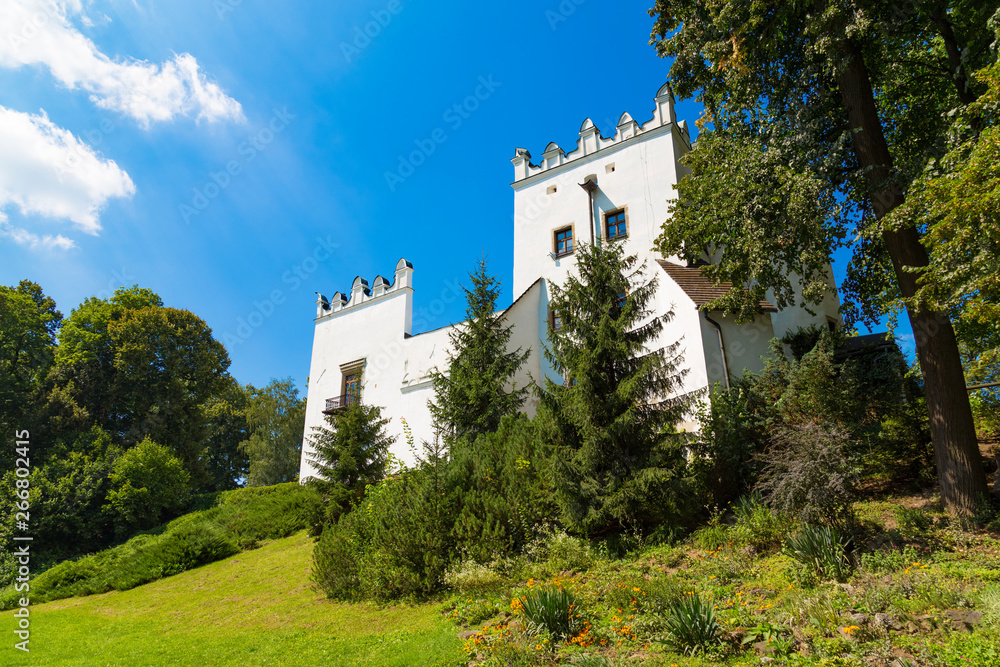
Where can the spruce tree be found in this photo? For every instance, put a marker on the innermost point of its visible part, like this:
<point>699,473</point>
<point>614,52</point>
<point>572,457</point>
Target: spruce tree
<point>478,390</point>
<point>352,452</point>
<point>616,464</point>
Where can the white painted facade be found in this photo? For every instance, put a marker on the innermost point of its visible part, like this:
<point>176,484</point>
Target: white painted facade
<point>635,172</point>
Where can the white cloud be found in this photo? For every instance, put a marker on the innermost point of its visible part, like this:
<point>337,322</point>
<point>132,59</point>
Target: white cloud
<point>46,171</point>
<point>24,237</point>
<point>40,33</point>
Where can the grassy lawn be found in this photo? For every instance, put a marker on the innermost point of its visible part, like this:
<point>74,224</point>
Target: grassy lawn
<point>255,608</point>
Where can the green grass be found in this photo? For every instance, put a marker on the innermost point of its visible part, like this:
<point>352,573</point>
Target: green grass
<point>228,523</point>
<point>255,608</point>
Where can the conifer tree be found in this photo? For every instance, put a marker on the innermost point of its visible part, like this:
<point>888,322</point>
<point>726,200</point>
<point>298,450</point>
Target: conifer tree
<point>478,390</point>
<point>349,454</point>
<point>616,465</point>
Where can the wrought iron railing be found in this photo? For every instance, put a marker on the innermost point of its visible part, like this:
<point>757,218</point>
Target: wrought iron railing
<point>341,402</point>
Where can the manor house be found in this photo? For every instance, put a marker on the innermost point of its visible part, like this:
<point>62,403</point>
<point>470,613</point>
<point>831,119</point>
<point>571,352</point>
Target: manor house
<point>612,189</point>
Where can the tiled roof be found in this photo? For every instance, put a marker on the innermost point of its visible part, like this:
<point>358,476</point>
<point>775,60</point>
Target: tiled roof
<point>701,289</point>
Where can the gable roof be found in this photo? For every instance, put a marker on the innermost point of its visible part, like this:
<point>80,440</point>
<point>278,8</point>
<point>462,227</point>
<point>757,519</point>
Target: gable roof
<point>702,289</point>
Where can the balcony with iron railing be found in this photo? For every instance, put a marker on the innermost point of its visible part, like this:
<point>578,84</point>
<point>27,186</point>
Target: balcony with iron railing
<point>342,402</point>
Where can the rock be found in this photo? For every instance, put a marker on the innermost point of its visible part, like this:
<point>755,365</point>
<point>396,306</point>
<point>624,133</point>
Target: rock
<point>859,619</point>
<point>963,619</point>
<point>911,627</point>
<point>764,648</point>
<point>847,588</point>
<point>468,634</point>
<point>886,622</point>
<point>514,625</point>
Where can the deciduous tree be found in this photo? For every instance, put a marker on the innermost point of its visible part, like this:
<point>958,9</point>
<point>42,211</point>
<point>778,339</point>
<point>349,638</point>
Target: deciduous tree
<point>843,103</point>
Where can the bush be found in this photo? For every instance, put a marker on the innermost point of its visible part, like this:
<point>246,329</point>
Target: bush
<point>757,525</point>
<point>692,625</point>
<point>149,484</point>
<point>395,543</point>
<point>822,549</point>
<point>551,609</point>
<point>499,481</point>
<point>472,577</point>
<point>735,423</point>
<point>809,475</point>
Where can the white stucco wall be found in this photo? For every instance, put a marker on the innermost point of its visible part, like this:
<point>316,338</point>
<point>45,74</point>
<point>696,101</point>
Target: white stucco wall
<point>397,366</point>
<point>644,159</point>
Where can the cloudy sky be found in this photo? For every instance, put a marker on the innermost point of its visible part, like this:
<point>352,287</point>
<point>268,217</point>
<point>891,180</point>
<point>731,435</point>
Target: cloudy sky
<point>237,156</point>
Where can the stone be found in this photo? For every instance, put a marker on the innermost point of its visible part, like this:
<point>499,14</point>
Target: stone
<point>963,619</point>
<point>859,619</point>
<point>886,622</point>
<point>764,648</point>
<point>468,634</point>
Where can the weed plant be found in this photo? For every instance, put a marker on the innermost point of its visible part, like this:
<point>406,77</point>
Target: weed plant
<point>822,549</point>
<point>551,609</point>
<point>692,625</point>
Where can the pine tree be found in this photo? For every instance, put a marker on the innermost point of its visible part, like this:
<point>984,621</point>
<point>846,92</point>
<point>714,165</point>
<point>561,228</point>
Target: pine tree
<point>350,454</point>
<point>473,396</point>
<point>616,465</point>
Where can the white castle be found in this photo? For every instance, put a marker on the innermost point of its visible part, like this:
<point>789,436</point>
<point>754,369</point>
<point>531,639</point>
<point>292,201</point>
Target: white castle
<point>615,189</point>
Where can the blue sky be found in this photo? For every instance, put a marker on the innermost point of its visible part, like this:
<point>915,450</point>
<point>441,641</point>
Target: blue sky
<point>233,156</point>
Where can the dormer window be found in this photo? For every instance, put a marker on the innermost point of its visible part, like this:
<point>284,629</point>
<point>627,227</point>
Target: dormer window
<point>563,242</point>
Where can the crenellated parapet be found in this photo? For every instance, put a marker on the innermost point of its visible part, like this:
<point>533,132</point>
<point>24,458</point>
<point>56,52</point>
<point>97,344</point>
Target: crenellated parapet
<point>362,292</point>
<point>591,141</point>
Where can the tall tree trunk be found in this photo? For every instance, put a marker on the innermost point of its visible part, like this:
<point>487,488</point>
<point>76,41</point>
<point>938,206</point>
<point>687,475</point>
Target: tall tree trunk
<point>959,464</point>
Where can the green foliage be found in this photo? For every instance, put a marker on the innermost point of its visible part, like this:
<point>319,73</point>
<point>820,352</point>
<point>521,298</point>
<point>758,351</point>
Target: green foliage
<point>275,420</point>
<point>956,198</point>
<point>478,390</point>
<point>138,369</point>
<point>615,463</point>
<point>148,484</point>
<point>396,542</point>
<point>504,494</point>
<point>757,525</point>
<point>551,609</point>
<point>692,625</point>
<point>235,520</point>
<point>67,499</point>
<point>468,577</point>
<point>808,474</point>
<point>735,427</point>
<point>28,324</point>
<point>891,559</point>
<point>822,549</point>
<point>349,454</point>
<point>819,130</point>
<point>225,464</point>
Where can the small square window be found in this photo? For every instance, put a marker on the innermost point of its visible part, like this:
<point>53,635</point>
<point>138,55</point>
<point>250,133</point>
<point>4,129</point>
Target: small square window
<point>615,225</point>
<point>563,241</point>
<point>609,168</point>
<point>551,190</point>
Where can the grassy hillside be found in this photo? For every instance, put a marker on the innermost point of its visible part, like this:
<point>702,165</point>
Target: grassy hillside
<point>255,608</point>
